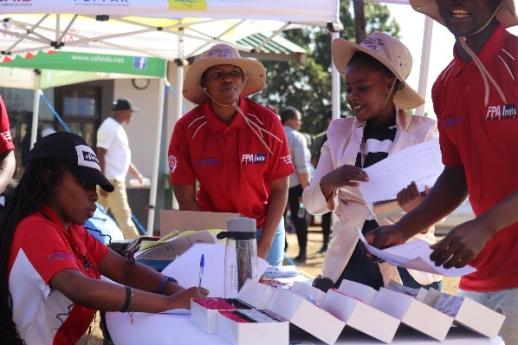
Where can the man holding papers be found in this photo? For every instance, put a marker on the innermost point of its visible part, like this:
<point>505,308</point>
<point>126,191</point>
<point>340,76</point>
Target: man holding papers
<point>475,99</point>
<point>375,73</point>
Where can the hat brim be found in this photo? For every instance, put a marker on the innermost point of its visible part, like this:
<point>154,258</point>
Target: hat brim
<point>255,77</point>
<point>343,50</point>
<point>92,177</point>
<point>506,15</point>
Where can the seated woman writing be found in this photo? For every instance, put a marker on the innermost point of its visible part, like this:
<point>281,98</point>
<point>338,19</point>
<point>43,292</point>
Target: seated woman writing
<point>51,267</point>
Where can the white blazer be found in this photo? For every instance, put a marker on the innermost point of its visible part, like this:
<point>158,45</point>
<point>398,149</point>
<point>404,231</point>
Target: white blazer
<point>344,137</point>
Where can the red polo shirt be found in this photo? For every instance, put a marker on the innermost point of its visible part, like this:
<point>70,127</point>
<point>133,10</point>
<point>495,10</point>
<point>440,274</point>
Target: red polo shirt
<point>484,140</point>
<point>42,248</point>
<point>6,142</point>
<point>232,166</point>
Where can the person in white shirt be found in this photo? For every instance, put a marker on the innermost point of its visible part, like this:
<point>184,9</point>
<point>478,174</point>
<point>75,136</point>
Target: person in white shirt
<point>114,156</point>
<point>300,156</point>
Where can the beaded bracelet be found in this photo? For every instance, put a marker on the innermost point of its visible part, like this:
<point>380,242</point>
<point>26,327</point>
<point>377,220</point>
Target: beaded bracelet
<point>163,283</point>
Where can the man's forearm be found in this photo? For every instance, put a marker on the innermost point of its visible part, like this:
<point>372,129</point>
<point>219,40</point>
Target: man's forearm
<point>303,179</point>
<point>274,211</point>
<point>186,196</point>
<point>134,171</point>
<point>7,168</point>
<point>446,195</point>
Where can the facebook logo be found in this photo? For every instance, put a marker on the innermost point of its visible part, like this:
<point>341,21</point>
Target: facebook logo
<point>139,62</point>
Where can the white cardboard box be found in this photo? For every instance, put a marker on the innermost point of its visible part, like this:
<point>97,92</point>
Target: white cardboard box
<point>361,292</point>
<point>413,313</point>
<point>309,292</point>
<point>465,311</point>
<point>361,316</point>
<point>265,331</point>
<point>307,316</point>
<point>252,293</point>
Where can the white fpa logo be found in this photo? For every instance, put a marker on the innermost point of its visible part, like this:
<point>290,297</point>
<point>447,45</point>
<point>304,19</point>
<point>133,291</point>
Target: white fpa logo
<point>253,158</point>
<point>173,163</point>
<point>502,112</point>
<point>86,157</point>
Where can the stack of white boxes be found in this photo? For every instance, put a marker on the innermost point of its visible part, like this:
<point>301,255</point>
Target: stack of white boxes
<point>249,323</point>
<point>464,311</point>
<point>264,313</point>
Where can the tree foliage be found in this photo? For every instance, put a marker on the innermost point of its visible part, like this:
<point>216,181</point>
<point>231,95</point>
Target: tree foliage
<point>307,86</point>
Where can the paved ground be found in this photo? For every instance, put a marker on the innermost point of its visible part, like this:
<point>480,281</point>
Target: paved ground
<point>311,268</point>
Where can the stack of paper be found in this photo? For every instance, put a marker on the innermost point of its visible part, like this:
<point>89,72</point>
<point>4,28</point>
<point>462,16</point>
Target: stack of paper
<point>171,247</point>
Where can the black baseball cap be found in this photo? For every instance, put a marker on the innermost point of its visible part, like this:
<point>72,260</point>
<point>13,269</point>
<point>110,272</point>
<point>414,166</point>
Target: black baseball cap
<point>78,156</point>
<point>122,104</point>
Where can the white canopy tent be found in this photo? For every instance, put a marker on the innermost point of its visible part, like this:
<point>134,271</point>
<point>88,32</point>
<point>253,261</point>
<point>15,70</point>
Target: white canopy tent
<point>167,29</point>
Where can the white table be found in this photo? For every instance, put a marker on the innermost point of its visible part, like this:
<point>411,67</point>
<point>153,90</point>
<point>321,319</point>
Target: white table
<point>164,329</point>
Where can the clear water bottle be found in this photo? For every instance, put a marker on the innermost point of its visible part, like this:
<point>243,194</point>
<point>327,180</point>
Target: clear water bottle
<point>240,254</point>
<point>302,211</point>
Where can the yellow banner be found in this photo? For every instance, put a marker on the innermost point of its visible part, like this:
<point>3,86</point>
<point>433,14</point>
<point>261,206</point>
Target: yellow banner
<point>188,5</point>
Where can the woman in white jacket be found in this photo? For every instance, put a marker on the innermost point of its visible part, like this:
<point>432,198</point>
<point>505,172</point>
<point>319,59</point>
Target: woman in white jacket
<point>375,73</point>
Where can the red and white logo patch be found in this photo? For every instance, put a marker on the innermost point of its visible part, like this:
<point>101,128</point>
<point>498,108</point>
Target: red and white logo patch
<point>173,163</point>
<point>6,136</point>
<point>286,159</point>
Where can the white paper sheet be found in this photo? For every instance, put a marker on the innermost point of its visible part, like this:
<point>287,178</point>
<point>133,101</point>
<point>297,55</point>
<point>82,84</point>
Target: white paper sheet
<point>414,255</point>
<point>185,269</point>
<point>420,163</point>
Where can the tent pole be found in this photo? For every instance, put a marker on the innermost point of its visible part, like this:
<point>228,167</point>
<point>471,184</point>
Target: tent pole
<point>156,159</point>
<point>178,106</point>
<point>35,107</point>
<point>335,85</point>
<point>425,61</point>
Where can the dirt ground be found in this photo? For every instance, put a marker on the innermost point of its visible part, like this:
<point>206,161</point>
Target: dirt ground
<point>310,268</point>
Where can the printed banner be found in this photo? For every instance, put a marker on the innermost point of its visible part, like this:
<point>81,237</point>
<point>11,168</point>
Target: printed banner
<point>58,60</point>
<point>188,5</point>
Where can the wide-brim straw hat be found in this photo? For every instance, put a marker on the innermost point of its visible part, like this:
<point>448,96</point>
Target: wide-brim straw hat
<point>391,53</point>
<point>506,15</point>
<point>222,54</point>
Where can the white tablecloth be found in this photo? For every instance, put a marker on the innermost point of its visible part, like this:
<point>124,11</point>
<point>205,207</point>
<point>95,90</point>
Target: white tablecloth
<point>164,329</point>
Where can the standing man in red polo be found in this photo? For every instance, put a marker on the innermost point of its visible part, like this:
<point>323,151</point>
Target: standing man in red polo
<point>236,149</point>
<point>475,99</point>
<point>7,160</point>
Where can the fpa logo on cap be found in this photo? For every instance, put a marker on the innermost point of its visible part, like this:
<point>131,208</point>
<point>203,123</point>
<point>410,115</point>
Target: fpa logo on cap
<point>86,157</point>
<point>221,51</point>
<point>373,43</point>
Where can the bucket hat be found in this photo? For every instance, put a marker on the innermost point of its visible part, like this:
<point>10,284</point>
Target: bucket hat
<point>506,15</point>
<point>222,54</point>
<point>388,51</point>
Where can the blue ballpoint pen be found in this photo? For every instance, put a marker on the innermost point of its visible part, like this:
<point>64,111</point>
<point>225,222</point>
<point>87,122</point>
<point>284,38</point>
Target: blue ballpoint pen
<point>202,268</point>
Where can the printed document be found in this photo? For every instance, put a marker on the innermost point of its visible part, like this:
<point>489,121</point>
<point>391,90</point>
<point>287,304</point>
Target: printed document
<point>414,255</point>
<point>420,163</point>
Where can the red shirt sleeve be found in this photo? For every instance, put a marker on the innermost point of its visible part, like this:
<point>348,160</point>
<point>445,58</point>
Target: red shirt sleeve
<point>180,164</point>
<point>45,247</point>
<point>450,154</point>
<point>280,165</point>
<point>6,142</point>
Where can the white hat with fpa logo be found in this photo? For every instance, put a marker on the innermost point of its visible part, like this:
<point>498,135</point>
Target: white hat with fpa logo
<point>75,153</point>
<point>222,54</point>
<point>390,52</point>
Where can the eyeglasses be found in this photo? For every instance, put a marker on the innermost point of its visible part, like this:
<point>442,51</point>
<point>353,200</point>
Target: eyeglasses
<point>222,75</point>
